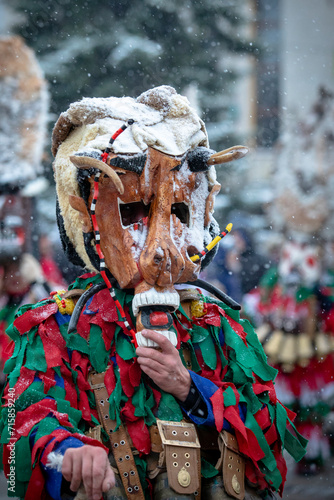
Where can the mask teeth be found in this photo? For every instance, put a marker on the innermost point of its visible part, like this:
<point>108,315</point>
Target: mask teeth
<point>154,298</point>
<point>145,342</point>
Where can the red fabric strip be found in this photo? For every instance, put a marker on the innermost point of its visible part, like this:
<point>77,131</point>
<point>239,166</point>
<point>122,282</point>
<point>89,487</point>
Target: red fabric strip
<point>140,435</point>
<point>34,317</point>
<point>217,401</point>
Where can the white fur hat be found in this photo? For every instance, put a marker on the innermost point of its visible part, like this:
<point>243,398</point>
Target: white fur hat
<point>162,118</point>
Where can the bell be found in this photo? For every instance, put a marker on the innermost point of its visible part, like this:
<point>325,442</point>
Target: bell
<point>213,489</point>
<point>162,491</point>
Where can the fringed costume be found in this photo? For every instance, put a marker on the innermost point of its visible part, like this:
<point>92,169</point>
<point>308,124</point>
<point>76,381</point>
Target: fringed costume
<point>137,211</point>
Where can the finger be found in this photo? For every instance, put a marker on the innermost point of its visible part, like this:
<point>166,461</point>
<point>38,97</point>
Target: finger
<point>87,463</point>
<point>156,366</point>
<point>76,472</point>
<point>67,465</point>
<point>99,470</point>
<point>154,375</point>
<point>109,480</point>
<point>161,340</point>
<point>149,353</point>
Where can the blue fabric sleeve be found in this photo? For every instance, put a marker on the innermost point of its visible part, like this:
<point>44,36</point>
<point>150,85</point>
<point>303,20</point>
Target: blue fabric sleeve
<point>206,389</point>
<point>52,476</point>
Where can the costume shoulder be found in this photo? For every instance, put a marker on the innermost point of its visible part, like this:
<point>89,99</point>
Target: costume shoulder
<point>39,331</point>
<point>30,316</point>
<point>242,347</point>
<point>51,396</point>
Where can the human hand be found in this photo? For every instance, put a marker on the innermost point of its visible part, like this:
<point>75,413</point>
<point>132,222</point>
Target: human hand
<point>88,465</point>
<point>164,367</point>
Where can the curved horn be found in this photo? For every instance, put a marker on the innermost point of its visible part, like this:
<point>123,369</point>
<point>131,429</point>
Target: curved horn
<point>233,153</point>
<point>86,162</point>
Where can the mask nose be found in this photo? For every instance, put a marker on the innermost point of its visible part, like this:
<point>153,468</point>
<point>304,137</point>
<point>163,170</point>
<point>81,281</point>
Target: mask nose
<point>161,262</point>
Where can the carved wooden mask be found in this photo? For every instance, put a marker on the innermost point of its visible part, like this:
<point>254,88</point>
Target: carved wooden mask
<point>151,225</point>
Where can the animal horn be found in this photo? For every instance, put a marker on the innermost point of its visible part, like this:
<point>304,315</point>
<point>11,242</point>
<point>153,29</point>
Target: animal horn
<point>86,162</point>
<point>233,153</point>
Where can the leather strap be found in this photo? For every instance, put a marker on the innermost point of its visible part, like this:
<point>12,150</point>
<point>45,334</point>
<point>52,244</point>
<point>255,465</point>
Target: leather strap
<point>156,443</point>
<point>119,440</point>
<point>232,465</point>
<point>181,451</point>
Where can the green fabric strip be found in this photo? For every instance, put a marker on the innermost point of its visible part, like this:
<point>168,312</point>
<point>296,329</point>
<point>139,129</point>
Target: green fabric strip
<point>269,459</point>
<point>124,348</point>
<point>207,469</point>
<point>98,354</point>
<point>22,449</point>
<point>115,400</point>
<point>169,409</point>
<point>74,341</point>
<point>295,445</point>
<point>35,357</point>
<point>83,283</point>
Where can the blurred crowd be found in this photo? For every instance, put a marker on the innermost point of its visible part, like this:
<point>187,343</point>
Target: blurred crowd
<point>288,295</point>
<point>26,277</point>
<point>238,266</point>
<point>32,264</point>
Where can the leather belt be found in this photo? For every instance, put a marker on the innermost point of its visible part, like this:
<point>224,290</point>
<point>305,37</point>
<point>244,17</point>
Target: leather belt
<point>119,440</point>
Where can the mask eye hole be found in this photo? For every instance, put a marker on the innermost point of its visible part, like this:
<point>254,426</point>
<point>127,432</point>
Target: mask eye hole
<point>133,212</point>
<point>181,211</point>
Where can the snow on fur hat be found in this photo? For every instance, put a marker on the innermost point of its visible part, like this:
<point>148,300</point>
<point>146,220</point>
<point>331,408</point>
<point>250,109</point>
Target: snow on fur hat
<point>23,109</point>
<point>164,120</point>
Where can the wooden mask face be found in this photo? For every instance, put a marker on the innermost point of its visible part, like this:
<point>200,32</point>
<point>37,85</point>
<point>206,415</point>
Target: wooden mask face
<point>149,233</point>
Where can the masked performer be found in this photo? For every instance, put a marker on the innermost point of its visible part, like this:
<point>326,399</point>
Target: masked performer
<point>22,280</point>
<point>294,306</point>
<point>23,110</point>
<point>169,382</point>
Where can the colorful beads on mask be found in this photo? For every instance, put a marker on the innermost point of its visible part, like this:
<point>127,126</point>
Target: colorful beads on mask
<point>212,244</point>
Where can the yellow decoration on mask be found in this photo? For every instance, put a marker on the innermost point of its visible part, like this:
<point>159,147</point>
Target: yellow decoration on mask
<point>197,308</point>
<point>65,306</point>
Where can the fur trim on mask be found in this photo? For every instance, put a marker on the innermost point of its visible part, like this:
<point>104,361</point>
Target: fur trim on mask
<point>67,184</point>
<point>68,247</point>
<point>213,231</point>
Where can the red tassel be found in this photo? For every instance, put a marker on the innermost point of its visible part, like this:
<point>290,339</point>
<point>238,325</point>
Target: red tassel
<point>124,366</point>
<point>36,485</point>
